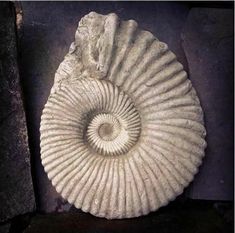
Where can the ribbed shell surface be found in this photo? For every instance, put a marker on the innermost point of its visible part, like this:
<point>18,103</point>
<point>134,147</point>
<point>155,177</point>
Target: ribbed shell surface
<point>122,132</point>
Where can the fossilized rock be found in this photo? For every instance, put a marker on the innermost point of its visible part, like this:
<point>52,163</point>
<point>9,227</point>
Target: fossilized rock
<point>122,131</point>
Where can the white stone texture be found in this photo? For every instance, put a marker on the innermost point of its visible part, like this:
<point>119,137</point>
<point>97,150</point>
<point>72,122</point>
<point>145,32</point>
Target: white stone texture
<point>122,132</point>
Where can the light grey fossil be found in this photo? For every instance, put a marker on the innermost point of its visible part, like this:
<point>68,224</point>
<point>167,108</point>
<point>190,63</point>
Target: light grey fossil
<point>122,132</point>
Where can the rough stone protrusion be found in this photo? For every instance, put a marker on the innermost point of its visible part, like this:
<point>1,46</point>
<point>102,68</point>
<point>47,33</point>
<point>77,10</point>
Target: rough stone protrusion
<point>16,188</point>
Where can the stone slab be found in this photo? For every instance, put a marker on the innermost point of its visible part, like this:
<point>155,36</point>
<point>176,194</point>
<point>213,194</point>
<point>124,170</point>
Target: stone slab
<point>48,30</point>
<point>5,228</point>
<point>208,45</point>
<point>188,217</point>
<point>16,188</point>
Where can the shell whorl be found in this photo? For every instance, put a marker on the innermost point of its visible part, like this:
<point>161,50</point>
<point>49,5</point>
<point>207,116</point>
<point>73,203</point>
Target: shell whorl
<point>122,132</point>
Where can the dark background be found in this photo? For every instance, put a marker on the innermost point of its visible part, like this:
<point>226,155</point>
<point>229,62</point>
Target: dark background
<point>201,36</point>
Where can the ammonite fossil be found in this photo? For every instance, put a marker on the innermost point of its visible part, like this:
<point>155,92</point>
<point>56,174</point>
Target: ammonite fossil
<point>122,132</point>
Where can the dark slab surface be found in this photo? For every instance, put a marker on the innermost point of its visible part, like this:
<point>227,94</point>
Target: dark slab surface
<point>16,188</point>
<point>5,228</point>
<point>47,32</point>
<point>189,217</point>
<point>208,45</point>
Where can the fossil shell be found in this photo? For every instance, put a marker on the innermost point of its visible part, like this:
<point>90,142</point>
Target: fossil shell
<point>122,132</point>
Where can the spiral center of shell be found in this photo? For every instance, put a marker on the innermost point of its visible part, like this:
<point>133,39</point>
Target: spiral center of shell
<point>108,131</point>
<point>111,135</point>
<point>107,126</point>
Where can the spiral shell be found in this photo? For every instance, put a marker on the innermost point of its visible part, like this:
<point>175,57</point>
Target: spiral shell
<point>122,132</point>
